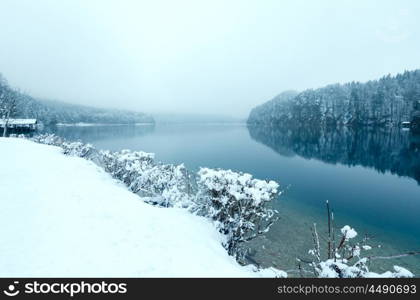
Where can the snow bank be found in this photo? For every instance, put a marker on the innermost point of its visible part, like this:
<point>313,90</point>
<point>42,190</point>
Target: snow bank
<point>64,216</point>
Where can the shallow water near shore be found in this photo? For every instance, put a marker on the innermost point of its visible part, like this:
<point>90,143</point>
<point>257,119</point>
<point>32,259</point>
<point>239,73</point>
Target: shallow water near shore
<point>369,176</point>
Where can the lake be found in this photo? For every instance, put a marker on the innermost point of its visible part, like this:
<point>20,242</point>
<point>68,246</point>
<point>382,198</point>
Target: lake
<point>370,176</point>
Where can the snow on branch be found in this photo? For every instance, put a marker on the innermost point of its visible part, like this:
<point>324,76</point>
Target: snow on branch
<point>236,202</point>
<point>349,259</point>
<point>164,184</point>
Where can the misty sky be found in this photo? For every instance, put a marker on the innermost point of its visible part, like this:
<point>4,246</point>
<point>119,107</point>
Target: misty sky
<point>200,56</point>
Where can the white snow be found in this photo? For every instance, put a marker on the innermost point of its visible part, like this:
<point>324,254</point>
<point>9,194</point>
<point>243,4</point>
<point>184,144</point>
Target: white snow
<point>240,185</point>
<point>18,122</point>
<point>399,272</point>
<point>63,216</point>
<point>348,232</point>
<point>328,269</point>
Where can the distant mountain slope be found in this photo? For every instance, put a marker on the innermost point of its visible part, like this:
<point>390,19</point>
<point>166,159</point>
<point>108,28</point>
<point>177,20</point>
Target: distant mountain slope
<point>389,100</point>
<point>52,112</point>
<point>195,118</point>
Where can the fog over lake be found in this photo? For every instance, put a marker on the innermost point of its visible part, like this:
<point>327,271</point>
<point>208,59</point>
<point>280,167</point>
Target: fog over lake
<point>321,97</point>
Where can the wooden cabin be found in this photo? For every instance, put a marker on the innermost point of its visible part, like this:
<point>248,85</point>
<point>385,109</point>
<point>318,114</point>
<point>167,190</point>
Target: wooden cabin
<point>19,125</point>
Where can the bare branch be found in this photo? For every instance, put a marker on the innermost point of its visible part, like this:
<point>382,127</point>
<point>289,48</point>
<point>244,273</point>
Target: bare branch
<point>329,229</point>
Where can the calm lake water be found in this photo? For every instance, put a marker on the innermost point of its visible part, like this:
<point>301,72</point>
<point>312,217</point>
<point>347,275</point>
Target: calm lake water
<point>371,178</point>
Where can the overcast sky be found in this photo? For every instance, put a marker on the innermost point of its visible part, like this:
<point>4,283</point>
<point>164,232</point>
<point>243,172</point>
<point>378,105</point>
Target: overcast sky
<point>200,56</point>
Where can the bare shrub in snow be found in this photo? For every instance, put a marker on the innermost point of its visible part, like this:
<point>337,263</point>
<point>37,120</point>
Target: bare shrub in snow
<point>172,182</point>
<point>48,139</point>
<point>125,165</point>
<point>237,204</point>
<point>78,149</point>
<point>19,136</point>
<point>344,257</point>
<point>165,185</point>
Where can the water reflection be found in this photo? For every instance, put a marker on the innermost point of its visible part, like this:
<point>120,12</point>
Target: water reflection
<point>383,206</point>
<point>384,149</point>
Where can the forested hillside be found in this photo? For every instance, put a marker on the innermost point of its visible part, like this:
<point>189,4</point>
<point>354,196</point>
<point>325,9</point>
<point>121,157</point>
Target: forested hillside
<point>52,112</point>
<point>387,101</point>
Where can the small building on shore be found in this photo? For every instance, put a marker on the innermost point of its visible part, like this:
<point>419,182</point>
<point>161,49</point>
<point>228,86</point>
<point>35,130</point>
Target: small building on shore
<point>19,125</point>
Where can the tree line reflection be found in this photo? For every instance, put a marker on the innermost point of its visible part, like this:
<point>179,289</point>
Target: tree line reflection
<point>384,149</point>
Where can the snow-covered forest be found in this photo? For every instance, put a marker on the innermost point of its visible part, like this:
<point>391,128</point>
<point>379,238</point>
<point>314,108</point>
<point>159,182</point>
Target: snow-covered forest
<point>387,101</point>
<point>52,112</point>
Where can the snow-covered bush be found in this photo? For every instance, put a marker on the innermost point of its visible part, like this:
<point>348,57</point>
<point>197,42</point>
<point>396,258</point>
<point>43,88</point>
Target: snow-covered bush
<point>341,268</point>
<point>48,139</point>
<point>78,149</point>
<point>345,258</point>
<point>350,260</point>
<point>237,204</point>
<point>126,165</point>
<point>172,183</point>
<point>165,185</point>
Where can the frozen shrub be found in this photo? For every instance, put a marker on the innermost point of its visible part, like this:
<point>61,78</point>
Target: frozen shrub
<point>78,149</point>
<point>341,268</point>
<point>237,204</point>
<point>350,260</point>
<point>48,139</point>
<point>344,258</point>
<point>164,185</point>
<point>172,183</point>
<point>126,165</point>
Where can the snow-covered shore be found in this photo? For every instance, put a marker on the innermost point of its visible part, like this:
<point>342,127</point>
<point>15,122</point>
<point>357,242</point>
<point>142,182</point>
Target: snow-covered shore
<point>65,216</point>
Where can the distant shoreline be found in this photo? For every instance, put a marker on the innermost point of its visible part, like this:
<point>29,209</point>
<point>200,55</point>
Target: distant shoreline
<point>82,124</point>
